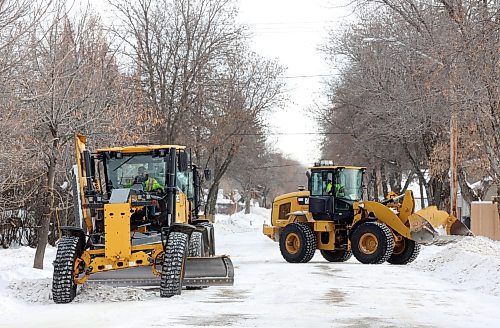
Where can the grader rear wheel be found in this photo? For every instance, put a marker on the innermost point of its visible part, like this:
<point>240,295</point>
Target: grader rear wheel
<point>297,243</point>
<point>174,263</point>
<point>196,245</point>
<point>405,251</point>
<point>372,243</point>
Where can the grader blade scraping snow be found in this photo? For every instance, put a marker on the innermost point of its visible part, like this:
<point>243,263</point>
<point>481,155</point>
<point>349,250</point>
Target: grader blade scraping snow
<point>199,272</point>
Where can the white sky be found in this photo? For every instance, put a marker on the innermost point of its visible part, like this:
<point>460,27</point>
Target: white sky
<point>292,31</point>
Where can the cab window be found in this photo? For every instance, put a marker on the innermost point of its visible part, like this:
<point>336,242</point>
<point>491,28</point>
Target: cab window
<point>319,181</point>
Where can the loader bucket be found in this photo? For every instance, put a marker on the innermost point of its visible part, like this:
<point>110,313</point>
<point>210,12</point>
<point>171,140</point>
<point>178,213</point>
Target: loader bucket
<point>442,220</point>
<point>421,230</point>
<point>199,271</point>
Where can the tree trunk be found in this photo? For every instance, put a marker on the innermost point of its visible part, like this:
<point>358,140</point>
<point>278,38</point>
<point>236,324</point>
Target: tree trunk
<point>247,205</point>
<point>212,199</point>
<point>383,179</point>
<point>422,200</point>
<point>378,179</point>
<point>43,230</point>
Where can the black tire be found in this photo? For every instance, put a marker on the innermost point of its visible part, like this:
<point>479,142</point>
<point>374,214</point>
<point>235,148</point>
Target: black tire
<point>301,242</point>
<point>174,261</point>
<point>196,247</point>
<point>63,284</point>
<point>336,256</point>
<point>210,245</point>
<point>405,251</point>
<point>372,243</point>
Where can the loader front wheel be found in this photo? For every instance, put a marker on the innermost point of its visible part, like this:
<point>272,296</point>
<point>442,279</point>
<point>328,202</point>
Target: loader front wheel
<point>174,263</point>
<point>372,243</point>
<point>297,243</point>
<point>63,283</point>
<point>405,251</point>
<point>336,256</point>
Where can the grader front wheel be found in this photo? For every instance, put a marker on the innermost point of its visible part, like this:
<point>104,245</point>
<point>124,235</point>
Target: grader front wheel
<point>174,263</point>
<point>63,282</point>
<point>372,243</point>
<point>297,243</point>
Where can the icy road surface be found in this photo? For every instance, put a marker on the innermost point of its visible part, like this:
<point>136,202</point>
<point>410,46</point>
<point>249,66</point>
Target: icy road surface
<point>269,292</point>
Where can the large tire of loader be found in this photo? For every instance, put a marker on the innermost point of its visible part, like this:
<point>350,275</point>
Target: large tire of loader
<point>174,263</point>
<point>63,284</point>
<point>405,251</point>
<point>336,256</point>
<point>297,243</point>
<point>372,243</point>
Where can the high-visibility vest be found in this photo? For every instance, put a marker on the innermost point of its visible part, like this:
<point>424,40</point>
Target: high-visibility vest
<point>151,184</point>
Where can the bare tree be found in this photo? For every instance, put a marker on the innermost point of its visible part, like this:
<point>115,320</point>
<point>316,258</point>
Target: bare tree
<point>64,91</point>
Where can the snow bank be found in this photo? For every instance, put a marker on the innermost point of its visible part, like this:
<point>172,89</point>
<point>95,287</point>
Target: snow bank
<point>241,222</point>
<point>471,262</point>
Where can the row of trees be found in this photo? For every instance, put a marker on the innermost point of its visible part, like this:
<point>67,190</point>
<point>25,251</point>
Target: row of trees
<point>407,68</point>
<point>166,71</point>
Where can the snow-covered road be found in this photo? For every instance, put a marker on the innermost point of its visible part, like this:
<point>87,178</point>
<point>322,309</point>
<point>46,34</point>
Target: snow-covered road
<point>269,292</point>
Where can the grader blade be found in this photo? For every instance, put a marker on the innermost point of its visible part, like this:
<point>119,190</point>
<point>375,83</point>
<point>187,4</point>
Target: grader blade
<point>199,272</point>
<point>443,221</point>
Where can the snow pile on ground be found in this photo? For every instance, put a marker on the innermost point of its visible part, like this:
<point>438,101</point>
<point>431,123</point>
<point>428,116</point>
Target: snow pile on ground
<point>39,291</point>
<point>19,280</point>
<point>241,222</point>
<point>471,262</point>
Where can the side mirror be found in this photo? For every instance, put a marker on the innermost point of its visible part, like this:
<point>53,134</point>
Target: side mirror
<point>207,174</point>
<point>183,161</point>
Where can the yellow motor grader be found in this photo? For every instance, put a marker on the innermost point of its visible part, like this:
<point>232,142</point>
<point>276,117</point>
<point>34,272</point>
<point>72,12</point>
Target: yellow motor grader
<point>136,209</point>
<point>332,217</point>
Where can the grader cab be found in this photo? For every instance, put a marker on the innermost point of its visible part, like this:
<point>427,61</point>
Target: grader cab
<point>138,224</point>
<point>332,217</point>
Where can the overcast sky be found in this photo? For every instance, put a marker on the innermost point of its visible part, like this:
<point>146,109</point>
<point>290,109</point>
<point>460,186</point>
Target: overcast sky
<point>292,31</point>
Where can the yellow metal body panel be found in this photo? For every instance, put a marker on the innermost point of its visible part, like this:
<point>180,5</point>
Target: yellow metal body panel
<point>139,148</point>
<point>323,226</point>
<point>277,218</point>
<point>80,142</point>
<point>334,167</point>
<point>117,231</point>
<point>407,207</point>
<point>387,216</point>
<point>438,219</point>
<point>271,231</point>
<point>182,208</point>
<point>330,245</point>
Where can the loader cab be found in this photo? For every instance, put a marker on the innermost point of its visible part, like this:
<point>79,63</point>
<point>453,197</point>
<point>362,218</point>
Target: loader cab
<point>333,190</point>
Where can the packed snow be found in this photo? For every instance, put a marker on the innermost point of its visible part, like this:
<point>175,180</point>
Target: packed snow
<point>453,285</point>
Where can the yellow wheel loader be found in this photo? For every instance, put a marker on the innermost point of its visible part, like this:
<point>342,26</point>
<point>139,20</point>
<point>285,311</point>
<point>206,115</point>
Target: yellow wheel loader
<point>136,209</point>
<point>332,217</point>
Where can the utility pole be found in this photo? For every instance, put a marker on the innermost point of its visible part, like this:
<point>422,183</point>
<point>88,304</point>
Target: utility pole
<point>453,164</point>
